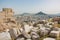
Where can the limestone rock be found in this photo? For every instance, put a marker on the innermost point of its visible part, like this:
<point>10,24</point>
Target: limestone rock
<point>20,39</point>
<point>26,35</point>
<point>49,39</point>
<point>5,36</point>
<point>28,39</point>
<point>54,34</point>
<point>35,36</point>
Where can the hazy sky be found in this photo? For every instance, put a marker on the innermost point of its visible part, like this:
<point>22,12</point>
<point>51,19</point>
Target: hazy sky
<point>32,6</point>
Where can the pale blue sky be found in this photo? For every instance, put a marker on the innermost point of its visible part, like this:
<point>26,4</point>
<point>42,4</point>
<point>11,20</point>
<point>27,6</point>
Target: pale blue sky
<point>32,6</point>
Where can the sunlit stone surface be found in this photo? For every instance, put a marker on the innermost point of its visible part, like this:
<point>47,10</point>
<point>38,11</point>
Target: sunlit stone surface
<point>5,36</point>
<point>48,39</point>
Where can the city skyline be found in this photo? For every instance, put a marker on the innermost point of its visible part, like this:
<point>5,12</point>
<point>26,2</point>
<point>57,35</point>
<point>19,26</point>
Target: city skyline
<point>32,6</point>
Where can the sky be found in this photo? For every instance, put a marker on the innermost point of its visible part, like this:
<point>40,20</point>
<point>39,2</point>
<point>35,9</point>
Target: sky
<point>32,6</point>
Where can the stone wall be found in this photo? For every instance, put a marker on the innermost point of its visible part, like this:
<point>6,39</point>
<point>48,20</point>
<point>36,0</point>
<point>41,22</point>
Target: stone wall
<point>7,20</point>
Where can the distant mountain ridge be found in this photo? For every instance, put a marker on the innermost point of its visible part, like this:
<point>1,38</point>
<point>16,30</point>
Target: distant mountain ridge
<point>40,13</point>
<point>25,14</point>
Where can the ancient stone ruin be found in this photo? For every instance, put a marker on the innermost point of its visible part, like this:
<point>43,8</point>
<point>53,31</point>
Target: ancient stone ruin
<point>7,21</point>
